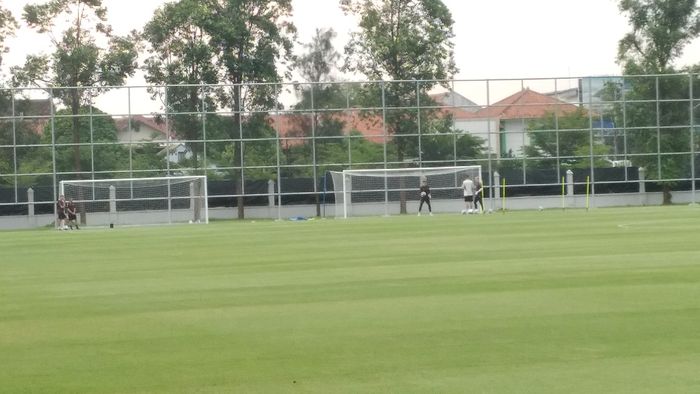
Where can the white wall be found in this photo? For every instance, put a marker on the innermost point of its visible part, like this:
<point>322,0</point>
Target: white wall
<point>482,128</point>
<point>372,209</point>
<point>516,136</point>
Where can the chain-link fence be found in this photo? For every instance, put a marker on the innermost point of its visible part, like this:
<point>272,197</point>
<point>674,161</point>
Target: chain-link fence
<point>272,145</point>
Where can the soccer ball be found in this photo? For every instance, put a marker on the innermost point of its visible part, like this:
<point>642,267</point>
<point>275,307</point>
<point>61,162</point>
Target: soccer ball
<point>422,194</point>
<point>541,208</point>
<point>464,211</point>
<point>190,222</point>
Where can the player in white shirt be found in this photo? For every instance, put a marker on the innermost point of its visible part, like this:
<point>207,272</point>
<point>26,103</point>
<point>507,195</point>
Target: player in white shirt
<point>468,187</point>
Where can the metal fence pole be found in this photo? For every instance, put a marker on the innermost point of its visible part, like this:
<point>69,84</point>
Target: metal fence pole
<point>385,137</point>
<point>692,137</point>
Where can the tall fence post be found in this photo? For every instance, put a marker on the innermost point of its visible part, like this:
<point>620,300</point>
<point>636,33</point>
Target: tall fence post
<point>569,183</point>
<point>193,194</point>
<point>271,193</point>
<point>496,182</point>
<point>112,199</point>
<point>195,207</point>
<point>30,202</point>
<point>642,185</point>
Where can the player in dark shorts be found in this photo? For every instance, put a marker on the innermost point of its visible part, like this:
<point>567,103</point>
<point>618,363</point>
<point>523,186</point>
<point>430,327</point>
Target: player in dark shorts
<point>70,210</point>
<point>61,211</point>
<point>478,186</point>
<point>424,195</point>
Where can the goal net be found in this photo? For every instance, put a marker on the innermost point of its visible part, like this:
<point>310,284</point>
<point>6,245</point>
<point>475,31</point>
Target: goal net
<point>139,201</point>
<point>384,191</point>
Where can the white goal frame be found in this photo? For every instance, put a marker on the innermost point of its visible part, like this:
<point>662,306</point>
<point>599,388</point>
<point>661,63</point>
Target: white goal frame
<point>343,188</point>
<point>196,201</point>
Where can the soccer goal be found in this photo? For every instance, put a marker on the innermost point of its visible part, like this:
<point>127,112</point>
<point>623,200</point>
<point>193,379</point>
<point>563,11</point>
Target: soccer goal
<point>139,201</point>
<point>384,191</point>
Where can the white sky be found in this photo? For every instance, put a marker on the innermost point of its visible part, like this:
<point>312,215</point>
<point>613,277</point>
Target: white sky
<point>494,39</point>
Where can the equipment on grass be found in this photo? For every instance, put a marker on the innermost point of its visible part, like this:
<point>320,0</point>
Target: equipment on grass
<point>139,201</point>
<point>383,191</point>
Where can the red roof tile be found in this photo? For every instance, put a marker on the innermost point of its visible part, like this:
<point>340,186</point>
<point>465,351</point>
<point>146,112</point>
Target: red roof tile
<point>122,124</point>
<point>369,126</point>
<point>526,104</point>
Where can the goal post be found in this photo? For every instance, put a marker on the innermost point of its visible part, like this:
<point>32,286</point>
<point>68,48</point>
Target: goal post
<point>139,201</point>
<point>381,191</point>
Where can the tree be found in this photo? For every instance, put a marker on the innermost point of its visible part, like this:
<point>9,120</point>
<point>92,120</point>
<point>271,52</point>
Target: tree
<point>183,60</point>
<point>79,69</point>
<point>239,43</point>
<point>14,131</point>
<point>250,39</point>
<point>316,66</point>
<point>660,31</point>
<point>105,156</point>
<point>99,129</point>
<point>401,40</point>
<point>8,25</point>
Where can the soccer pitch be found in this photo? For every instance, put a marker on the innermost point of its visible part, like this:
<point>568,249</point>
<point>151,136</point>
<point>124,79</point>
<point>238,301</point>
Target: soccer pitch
<point>523,302</point>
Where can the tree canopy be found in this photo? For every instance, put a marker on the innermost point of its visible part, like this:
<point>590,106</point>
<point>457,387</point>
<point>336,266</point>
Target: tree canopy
<point>659,137</point>
<point>661,30</point>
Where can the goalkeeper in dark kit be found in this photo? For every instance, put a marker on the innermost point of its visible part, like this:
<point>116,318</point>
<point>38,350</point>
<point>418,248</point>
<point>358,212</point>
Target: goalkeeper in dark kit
<point>424,195</point>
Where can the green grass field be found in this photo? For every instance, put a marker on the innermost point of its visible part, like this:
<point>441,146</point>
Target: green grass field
<point>527,302</point>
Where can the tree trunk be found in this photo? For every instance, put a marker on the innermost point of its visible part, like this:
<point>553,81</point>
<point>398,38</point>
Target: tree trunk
<point>313,152</point>
<point>237,152</point>
<point>75,111</point>
<point>402,181</point>
<point>666,189</point>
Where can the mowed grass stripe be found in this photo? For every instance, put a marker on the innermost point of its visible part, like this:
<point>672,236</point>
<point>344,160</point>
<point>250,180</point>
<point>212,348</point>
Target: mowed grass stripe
<point>523,302</point>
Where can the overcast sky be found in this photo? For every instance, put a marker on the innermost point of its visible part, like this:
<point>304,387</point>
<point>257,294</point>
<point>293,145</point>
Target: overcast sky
<point>493,39</point>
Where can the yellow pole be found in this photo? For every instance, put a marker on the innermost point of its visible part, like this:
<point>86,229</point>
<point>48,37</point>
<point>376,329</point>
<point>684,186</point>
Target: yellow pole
<point>588,188</point>
<point>563,194</point>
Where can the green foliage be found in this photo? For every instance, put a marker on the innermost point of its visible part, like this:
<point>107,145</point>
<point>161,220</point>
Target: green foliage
<point>78,60</point>
<point>237,42</point>
<point>319,61</point>
<point>647,136</point>
<point>317,65</point>
<point>148,157</point>
<point>401,40</point>
<point>660,31</point>
<point>567,136</point>
<point>448,147</point>
<point>409,42</point>
<point>260,155</point>
<point>8,25</point>
<point>249,39</point>
<point>182,58</point>
<point>14,132</point>
<point>98,129</point>
<point>79,69</point>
